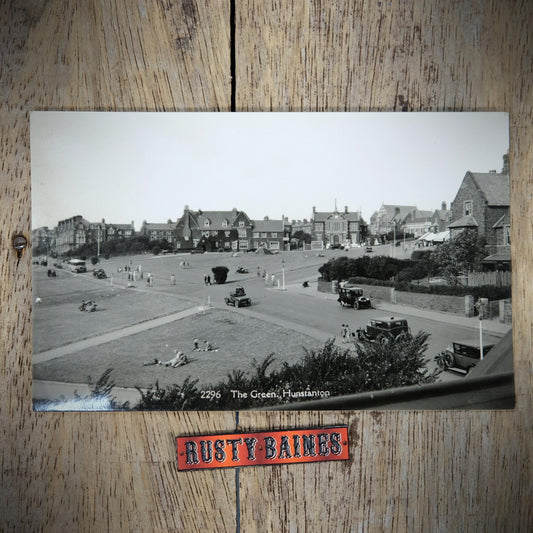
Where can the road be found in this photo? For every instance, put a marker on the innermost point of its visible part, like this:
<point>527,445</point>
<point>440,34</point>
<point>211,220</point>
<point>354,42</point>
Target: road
<point>302,310</point>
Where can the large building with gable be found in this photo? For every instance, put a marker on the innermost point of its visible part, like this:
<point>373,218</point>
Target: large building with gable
<point>213,230</point>
<point>483,203</point>
<point>338,227</point>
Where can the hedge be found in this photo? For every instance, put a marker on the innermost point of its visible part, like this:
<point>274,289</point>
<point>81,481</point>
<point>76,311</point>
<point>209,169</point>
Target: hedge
<point>483,291</point>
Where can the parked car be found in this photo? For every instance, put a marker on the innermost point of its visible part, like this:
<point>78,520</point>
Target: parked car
<point>385,329</point>
<point>353,297</point>
<point>238,298</point>
<point>100,274</point>
<point>242,270</point>
<point>462,356</point>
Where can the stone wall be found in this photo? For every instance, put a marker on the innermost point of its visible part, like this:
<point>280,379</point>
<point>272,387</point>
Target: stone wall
<point>457,305</point>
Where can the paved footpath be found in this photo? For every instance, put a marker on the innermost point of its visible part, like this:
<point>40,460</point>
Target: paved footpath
<point>113,335</point>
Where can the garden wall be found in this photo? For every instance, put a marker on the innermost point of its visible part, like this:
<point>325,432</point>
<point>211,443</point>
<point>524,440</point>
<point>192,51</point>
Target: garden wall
<point>458,305</point>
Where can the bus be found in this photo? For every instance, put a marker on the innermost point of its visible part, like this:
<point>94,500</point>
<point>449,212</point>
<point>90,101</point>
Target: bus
<point>77,265</point>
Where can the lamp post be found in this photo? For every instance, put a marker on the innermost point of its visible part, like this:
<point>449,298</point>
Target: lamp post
<point>480,307</point>
<point>283,274</point>
<point>394,241</point>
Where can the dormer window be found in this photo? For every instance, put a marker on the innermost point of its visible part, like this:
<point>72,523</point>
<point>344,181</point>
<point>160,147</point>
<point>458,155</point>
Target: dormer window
<point>224,223</point>
<point>206,223</point>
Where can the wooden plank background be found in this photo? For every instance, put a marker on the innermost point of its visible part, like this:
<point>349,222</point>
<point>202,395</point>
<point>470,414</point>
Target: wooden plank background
<point>409,471</point>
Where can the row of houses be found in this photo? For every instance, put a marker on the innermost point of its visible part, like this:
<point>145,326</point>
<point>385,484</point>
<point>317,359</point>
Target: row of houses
<point>212,230</point>
<point>482,202</point>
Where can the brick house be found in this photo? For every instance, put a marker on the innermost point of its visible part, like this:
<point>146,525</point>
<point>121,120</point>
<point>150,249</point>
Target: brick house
<point>42,240</point>
<point>75,231</point>
<point>388,216</point>
<point>158,231</point>
<point>227,230</point>
<point>338,227</point>
<point>103,231</point>
<point>271,234</point>
<point>483,203</point>
<point>417,222</point>
<point>441,219</point>
<point>71,233</point>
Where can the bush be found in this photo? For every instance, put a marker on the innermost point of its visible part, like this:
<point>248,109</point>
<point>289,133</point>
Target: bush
<point>156,250</point>
<point>485,291</point>
<point>220,273</point>
<point>370,281</point>
<point>378,267</point>
<point>94,260</point>
<point>366,366</point>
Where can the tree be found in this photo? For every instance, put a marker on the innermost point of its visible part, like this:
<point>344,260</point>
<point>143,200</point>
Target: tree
<point>220,273</point>
<point>397,363</point>
<point>94,260</point>
<point>459,255</point>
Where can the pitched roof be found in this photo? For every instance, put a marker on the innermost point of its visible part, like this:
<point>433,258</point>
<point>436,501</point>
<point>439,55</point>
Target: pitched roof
<point>351,216</point>
<point>495,187</point>
<point>119,226</point>
<point>503,221</point>
<point>442,214</point>
<point>158,226</point>
<point>268,225</point>
<point>216,218</point>
<point>467,221</point>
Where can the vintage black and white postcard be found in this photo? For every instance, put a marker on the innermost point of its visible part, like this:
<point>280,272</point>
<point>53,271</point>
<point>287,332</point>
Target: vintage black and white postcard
<point>233,261</point>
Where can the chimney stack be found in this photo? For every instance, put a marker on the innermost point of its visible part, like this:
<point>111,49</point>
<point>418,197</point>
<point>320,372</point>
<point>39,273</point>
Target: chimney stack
<point>443,206</point>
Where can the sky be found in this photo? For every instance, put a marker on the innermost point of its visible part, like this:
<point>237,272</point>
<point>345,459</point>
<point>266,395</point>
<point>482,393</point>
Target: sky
<point>127,167</point>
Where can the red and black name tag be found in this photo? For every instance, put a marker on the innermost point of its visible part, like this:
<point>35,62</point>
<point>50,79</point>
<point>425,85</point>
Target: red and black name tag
<point>263,448</point>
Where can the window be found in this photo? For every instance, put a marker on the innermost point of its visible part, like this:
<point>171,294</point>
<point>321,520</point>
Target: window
<point>206,223</point>
<point>242,233</point>
<point>467,209</point>
<point>241,223</point>
<point>507,234</point>
<point>263,234</point>
<point>243,244</point>
<point>226,234</point>
<point>274,234</point>
<point>255,235</point>
<point>224,223</point>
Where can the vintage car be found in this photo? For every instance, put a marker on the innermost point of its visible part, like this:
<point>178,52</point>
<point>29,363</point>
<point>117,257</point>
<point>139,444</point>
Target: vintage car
<point>100,274</point>
<point>461,356</point>
<point>242,270</point>
<point>353,297</point>
<point>385,329</point>
<point>238,298</point>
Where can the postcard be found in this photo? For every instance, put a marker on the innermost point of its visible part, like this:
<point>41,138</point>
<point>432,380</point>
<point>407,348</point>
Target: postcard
<point>271,261</point>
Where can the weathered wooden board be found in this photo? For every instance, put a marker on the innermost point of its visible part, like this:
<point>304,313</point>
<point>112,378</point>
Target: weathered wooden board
<point>447,471</point>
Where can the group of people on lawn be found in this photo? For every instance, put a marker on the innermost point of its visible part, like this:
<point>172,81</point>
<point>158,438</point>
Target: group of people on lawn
<point>180,359</point>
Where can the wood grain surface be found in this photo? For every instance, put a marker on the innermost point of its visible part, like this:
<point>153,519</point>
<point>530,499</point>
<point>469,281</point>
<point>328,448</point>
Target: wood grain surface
<point>409,471</point>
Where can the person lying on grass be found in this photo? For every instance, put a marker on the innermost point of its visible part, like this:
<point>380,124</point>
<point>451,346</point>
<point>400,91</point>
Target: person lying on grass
<point>180,359</point>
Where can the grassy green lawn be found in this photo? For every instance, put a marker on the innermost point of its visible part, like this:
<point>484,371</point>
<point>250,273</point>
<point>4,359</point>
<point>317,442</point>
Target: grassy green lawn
<point>234,335</point>
<point>57,320</point>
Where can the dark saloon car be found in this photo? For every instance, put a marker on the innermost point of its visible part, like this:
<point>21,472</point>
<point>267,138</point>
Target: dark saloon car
<point>353,297</point>
<point>385,329</point>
